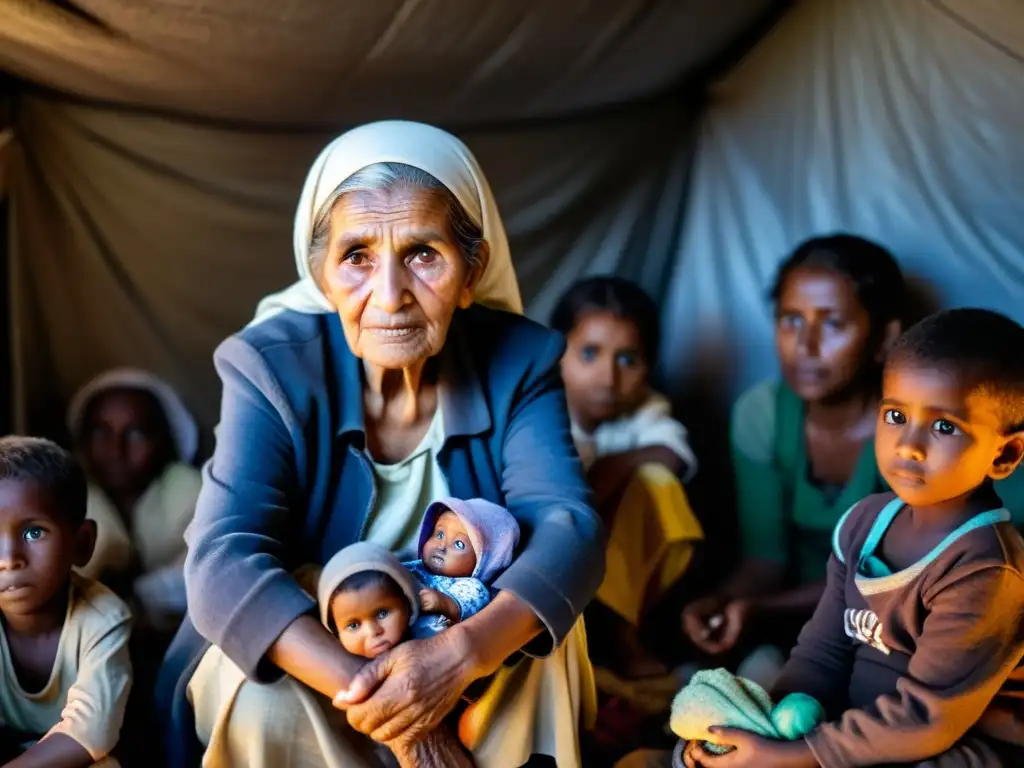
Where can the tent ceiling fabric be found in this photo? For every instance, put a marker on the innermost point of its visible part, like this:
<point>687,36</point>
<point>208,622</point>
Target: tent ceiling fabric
<point>152,210</point>
<point>328,63</point>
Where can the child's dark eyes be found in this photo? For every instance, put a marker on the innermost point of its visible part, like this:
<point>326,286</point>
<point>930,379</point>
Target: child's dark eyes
<point>35,533</point>
<point>382,614</point>
<point>439,535</point>
<point>589,354</point>
<point>892,416</point>
<point>352,626</point>
<point>459,545</point>
<point>944,427</point>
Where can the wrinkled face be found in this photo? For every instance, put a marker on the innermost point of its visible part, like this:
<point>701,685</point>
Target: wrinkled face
<point>448,551</point>
<point>604,369</point>
<point>822,333</point>
<point>396,275</point>
<point>938,436</point>
<point>38,547</point>
<point>125,440</point>
<point>370,620</point>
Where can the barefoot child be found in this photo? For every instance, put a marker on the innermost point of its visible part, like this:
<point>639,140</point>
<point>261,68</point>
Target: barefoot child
<point>915,648</point>
<point>64,640</point>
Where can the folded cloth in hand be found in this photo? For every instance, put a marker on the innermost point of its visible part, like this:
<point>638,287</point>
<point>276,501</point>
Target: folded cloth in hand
<point>716,697</point>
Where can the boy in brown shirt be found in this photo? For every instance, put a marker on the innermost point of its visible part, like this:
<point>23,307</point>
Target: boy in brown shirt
<point>64,667</point>
<point>915,648</point>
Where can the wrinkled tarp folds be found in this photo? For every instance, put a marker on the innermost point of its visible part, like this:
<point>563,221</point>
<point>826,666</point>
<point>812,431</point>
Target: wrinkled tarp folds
<point>145,230</point>
<point>900,121</point>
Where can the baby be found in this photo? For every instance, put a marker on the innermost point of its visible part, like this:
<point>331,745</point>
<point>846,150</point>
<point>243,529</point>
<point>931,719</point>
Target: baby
<point>368,599</point>
<point>372,601</point>
<point>463,547</point>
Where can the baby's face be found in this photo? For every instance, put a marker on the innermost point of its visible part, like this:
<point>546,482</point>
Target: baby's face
<point>448,552</point>
<point>370,620</point>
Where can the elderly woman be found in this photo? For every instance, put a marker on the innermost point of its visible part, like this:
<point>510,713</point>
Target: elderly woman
<point>374,385</point>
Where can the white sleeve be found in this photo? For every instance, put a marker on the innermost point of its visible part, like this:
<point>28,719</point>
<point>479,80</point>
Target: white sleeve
<point>666,431</point>
<point>96,701</point>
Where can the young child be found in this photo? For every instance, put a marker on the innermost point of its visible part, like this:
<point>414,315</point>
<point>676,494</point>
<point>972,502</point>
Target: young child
<point>368,598</point>
<point>135,438</point>
<point>464,546</point>
<point>64,639</point>
<point>612,335</point>
<point>636,456</point>
<point>915,648</point>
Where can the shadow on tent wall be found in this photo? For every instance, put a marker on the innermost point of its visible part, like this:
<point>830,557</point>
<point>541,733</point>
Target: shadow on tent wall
<point>6,404</point>
<point>6,371</point>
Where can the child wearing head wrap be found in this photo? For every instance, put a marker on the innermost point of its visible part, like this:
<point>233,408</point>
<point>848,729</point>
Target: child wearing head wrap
<point>136,438</point>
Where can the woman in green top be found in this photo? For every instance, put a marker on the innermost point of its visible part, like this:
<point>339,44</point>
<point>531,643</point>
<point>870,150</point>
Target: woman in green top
<point>803,447</point>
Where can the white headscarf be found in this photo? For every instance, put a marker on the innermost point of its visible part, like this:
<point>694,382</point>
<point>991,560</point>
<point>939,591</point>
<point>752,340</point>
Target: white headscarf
<point>422,146</point>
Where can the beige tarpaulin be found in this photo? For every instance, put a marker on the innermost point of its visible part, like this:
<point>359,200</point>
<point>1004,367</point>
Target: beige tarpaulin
<point>145,230</point>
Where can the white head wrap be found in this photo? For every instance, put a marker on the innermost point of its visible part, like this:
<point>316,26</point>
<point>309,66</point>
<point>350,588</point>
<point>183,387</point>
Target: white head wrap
<point>422,146</point>
<point>184,430</point>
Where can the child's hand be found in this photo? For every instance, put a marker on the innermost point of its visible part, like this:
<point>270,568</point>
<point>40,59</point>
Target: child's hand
<point>432,601</point>
<point>750,751</point>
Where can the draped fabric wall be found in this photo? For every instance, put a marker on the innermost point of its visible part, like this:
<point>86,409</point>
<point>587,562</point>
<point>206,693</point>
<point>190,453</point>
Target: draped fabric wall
<point>900,121</point>
<point>146,227</point>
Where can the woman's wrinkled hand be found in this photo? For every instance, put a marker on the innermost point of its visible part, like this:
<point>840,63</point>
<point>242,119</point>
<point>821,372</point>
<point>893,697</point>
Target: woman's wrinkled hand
<point>405,693</point>
<point>715,624</point>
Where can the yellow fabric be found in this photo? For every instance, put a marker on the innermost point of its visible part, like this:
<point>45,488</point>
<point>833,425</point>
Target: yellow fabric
<point>650,542</point>
<point>536,707</point>
<point>404,490</point>
<point>86,694</point>
<point>158,525</point>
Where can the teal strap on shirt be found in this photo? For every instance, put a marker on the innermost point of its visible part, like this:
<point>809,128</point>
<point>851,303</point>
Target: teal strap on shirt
<point>836,548</point>
<point>870,567</point>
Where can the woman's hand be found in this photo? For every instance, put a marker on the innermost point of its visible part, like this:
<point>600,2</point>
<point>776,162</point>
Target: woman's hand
<point>750,751</point>
<point>715,624</point>
<point>405,693</point>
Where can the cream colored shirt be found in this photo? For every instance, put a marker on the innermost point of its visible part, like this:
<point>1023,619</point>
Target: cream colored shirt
<point>404,490</point>
<point>86,694</point>
<point>158,524</point>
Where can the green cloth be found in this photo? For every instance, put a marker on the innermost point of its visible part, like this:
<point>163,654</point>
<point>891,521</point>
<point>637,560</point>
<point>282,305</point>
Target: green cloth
<point>716,697</point>
<point>783,515</point>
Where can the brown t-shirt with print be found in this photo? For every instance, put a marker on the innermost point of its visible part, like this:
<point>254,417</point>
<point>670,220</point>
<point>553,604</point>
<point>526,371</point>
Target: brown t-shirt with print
<point>911,661</point>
